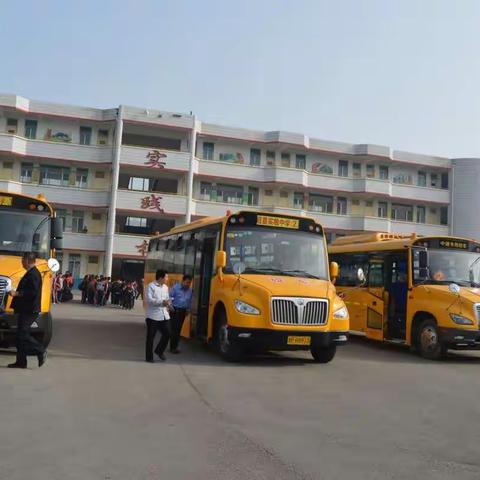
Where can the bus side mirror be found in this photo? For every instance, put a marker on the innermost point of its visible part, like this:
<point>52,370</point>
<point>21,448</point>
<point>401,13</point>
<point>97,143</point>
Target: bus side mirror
<point>221,259</point>
<point>333,270</point>
<point>57,228</point>
<point>57,243</point>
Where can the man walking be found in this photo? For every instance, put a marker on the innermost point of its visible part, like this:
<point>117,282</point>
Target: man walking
<point>181,297</point>
<point>157,303</point>
<point>26,305</point>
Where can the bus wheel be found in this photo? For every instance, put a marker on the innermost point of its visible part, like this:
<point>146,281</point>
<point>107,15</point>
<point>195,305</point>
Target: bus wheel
<point>428,341</point>
<point>228,350</point>
<point>323,354</point>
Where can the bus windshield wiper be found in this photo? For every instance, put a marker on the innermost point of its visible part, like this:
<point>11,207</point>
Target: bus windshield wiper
<point>300,273</point>
<point>262,270</point>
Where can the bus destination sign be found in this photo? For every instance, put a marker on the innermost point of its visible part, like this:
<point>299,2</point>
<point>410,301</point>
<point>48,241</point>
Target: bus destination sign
<point>269,221</point>
<point>6,201</point>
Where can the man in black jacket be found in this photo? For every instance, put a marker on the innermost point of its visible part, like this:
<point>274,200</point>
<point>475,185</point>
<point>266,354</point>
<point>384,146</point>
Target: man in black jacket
<point>26,305</point>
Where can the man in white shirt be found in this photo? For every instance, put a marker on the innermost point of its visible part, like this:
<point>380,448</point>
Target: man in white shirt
<point>157,303</point>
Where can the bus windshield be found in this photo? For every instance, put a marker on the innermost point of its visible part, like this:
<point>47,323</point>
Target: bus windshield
<point>454,266</point>
<point>24,232</point>
<point>273,251</point>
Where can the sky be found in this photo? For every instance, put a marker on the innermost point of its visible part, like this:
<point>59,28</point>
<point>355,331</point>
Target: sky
<point>402,73</point>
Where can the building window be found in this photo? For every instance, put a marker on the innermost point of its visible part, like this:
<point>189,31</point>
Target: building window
<point>208,149</point>
<point>320,203</point>
<point>12,126</point>
<point>62,215</point>
<point>283,194</point>
<point>74,260</point>
<point>341,206</point>
<point>444,181</point>
<point>368,203</point>
<point>96,216</point>
<point>383,172</point>
<point>78,225</point>
<point>343,168</point>
<point>252,196</point>
<point>102,138</point>
<point>26,171</point>
<point>31,129</point>
<point>298,200</point>
<point>205,190</point>
<point>422,179</point>
<point>285,160</point>
<point>403,213</point>
<point>85,135</point>
<point>93,259</point>
<point>139,183</point>
<point>255,154</point>
<point>228,193</point>
<point>357,169</point>
<point>370,171</point>
<point>420,214</point>
<point>138,222</point>
<point>434,180</point>
<point>269,193</point>
<point>443,215</point>
<point>99,174</point>
<point>301,162</point>
<point>382,211</point>
<point>270,157</point>
<point>58,176</point>
<point>81,178</point>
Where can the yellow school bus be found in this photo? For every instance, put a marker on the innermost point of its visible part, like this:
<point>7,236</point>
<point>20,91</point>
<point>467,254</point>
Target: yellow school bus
<point>419,291</point>
<point>261,282</point>
<point>27,224</point>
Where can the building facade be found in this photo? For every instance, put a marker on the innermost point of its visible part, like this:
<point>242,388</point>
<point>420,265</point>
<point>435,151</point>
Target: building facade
<point>117,176</point>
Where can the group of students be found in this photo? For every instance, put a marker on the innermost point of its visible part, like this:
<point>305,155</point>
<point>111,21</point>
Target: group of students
<point>62,285</point>
<point>98,290</point>
<point>165,313</point>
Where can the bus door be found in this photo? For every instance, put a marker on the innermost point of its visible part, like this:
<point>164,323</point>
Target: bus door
<point>376,298</point>
<point>204,264</point>
<point>397,287</point>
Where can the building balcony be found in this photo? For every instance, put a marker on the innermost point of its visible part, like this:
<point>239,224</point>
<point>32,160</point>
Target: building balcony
<point>316,181</point>
<point>55,150</point>
<point>154,159</point>
<point>72,196</point>
<point>83,242</point>
<point>151,202</point>
<point>133,246</point>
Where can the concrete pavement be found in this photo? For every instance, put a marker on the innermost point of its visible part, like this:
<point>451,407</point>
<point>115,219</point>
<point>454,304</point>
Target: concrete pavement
<point>97,411</point>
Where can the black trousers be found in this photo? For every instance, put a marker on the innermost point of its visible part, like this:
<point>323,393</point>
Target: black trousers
<point>26,344</point>
<point>154,326</point>
<point>176,324</point>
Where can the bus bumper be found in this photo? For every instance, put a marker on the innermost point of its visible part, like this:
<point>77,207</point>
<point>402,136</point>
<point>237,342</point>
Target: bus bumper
<point>265,339</point>
<point>8,327</point>
<point>460,339</point>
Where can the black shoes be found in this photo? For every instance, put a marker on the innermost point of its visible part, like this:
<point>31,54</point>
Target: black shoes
<point>17,365</point>
<point>42,357</point>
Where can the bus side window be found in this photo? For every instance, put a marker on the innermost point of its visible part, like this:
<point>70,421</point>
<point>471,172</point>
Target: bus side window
<point>169,256</point>
<point>349,265</point>
<point>376,273</point>
<point>179,257</point>
<point>189,261</point>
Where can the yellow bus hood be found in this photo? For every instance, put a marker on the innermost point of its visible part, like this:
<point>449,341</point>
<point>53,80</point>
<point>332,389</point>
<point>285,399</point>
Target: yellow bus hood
<point>466,293</point>
<point>11,266</point>
<point>283,286</point>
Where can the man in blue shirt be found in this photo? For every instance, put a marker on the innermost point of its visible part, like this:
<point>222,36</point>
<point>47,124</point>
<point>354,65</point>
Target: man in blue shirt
<point>181,298</point>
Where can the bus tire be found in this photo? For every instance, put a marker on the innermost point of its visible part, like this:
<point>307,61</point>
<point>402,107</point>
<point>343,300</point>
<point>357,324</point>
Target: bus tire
<point>45,337</point>
<point>323,354</point>
<point>229,351</point>
<point>428,340</point>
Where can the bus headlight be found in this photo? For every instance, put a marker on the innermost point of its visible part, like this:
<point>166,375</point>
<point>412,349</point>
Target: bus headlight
<point>341,313</point>
<point>461,320</point>
<point>243,307</point>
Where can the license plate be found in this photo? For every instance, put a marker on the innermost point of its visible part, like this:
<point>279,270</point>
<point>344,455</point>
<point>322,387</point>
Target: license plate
<point>293,340</point>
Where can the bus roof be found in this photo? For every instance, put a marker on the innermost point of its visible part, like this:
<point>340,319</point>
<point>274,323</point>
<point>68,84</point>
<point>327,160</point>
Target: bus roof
<point>39,198</point>
<point>212,220</point>
<point>381,241</point>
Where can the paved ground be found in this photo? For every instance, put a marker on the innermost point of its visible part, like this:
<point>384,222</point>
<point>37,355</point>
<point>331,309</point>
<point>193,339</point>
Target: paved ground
<point>97,411</point>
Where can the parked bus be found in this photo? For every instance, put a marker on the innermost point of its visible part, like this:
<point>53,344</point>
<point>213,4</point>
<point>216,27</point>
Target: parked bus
<point>261,282</point>
<point>419,291</point>
<point>26,224</point>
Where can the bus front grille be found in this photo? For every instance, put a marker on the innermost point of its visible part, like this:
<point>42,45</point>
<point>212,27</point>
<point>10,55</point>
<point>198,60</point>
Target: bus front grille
<point>299,311</point>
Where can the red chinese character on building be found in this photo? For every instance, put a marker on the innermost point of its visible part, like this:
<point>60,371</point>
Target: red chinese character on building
<point>154,159</point>
<point>152,202</point>
<point>142,248</point>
